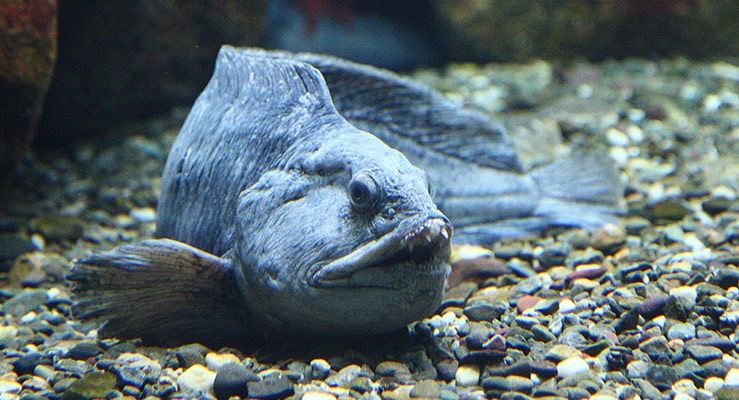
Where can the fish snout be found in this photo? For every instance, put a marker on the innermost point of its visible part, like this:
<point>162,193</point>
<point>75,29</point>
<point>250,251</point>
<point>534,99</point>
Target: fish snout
<point>430,239</point>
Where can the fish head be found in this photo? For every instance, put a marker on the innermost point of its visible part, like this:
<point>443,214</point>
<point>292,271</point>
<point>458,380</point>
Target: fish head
<point>343,240</point>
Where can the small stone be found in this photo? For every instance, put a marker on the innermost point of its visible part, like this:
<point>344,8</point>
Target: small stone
<point>526,302</point>
<point>468,375</point>
<point>447,369</point>
<point>609,237</point>
<point>7,333</point>
<point>317,395</point>
<point>566,306</point>
<point>83,351</point>
<point>320,369</point>
<point>143,215</point>
<point>703,354</point>
<point>92,385</point>
<point>561,352</point>
<point>272,386</point>
<point>27,363</point>
<point>232,380</point>
<point>542,333</point>
<point>732,377</point>
<point>662,376</point>
<point>24,302</point>
<point>571,367</point>
<point>215,361</point>
<point>683,330</point>
<point>392,368</point>
<point>686,296</point>
<point>9,387</point>
<point>427,389</point>
<point>197,377</point>
<point>713,384</point>
<point>727,393</point>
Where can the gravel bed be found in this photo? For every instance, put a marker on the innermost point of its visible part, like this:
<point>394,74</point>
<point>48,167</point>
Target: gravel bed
<point>648,308</point>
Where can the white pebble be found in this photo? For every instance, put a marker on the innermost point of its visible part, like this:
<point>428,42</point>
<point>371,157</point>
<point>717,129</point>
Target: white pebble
<point>215,361</point>
<point>572,366</point>
<point>619,155</point>
<point>197,377</point>
<point>732,377</point>
<point>317,395</point>
<point>635,133</point>
<point>468,375</point>
<point>683,396</point>
<point>7,332</point>
<point>617,138</point>
<point>28,318</point>
<point>143,214</point>
<point>713,384</point>
<point>635,115</point>
<point>711,103</point>
<point>566,306</point>
<point>38,241</point>
<point>685,295</point>
<point>8,387</point>
<point>585,91</point>
<point>53,293</point>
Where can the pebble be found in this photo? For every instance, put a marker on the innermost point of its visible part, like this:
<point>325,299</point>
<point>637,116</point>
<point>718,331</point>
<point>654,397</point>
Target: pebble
<point>468,375</point>
<point>91,386</point>
<point>215,361</point>
<point>684,331</point>
<point>274,385</point>
<point>197,377</point>
<point>426,389</point>
<point>320,369</point>
<point>9,387</point>
<point>232,379</point>
<point>571,366</point>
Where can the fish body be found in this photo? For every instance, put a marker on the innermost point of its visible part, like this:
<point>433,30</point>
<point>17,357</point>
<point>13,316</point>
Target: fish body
<point>297,199</point>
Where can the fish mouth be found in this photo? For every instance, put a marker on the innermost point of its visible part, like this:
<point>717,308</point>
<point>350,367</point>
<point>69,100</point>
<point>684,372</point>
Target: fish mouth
<point>423,250</point>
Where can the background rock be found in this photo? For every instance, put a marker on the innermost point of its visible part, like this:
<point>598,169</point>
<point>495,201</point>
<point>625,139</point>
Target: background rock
<point>123,60</point>
<point>27,55</point>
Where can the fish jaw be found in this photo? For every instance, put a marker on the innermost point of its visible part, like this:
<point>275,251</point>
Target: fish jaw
<point>423,248</point>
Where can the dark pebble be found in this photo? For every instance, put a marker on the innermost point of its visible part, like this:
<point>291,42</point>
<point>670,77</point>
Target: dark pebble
<point>726,278</point>
<point>485,311</point>
<point>519,368</point>
<point>652,307</point>
<point>588,256</point>
<point>131,376</point>
<point>483,357</point>
<point>595,348</point>
<point>628,321</point>
<point>675,310</point>
<point>59,227</point>
<point>555,254</point>
<point>24,302</point>
<point>478,335</point>
<point>542,333</point>
<point>518,344</point>
<point>426,389</point>
<point>191,355</point>
<point>544,369</point>
<point>447,369</point>
<point>83,351</point>
<point>28,362</point>
<point>548,306</point>
<point>131,390</point>
<point>496,384</point>
<point>273,386</point>
<point>662,376</point>
<point>232,380</point>
<point>91,386</point>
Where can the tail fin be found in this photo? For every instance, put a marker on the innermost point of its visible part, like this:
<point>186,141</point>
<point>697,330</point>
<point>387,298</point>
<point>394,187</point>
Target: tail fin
<point>583,191</point>
<point>163,291</point>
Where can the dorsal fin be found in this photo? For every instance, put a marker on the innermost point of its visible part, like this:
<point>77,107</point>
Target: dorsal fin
<point>246,76</point>
<point>398,109</point>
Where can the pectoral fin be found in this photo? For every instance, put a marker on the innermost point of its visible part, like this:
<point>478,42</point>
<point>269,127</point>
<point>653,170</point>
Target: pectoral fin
<point>163,291</point>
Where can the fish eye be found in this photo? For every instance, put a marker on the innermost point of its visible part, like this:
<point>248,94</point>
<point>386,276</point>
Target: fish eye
<point>363,192</point>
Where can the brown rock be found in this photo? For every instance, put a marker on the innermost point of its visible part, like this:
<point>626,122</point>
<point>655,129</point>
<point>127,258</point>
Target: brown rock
<point>27,56</point>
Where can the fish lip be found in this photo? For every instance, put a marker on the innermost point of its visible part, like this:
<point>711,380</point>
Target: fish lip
<point>433,234</point>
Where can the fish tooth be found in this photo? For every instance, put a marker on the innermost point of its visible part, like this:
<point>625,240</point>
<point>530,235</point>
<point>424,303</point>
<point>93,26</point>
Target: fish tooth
<point>433,229</point>
<point>445,233</point>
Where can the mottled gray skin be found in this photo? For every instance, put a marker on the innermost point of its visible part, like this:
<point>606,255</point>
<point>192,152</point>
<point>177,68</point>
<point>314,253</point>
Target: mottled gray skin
<point>477,178</point>
<point>262,173</point>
